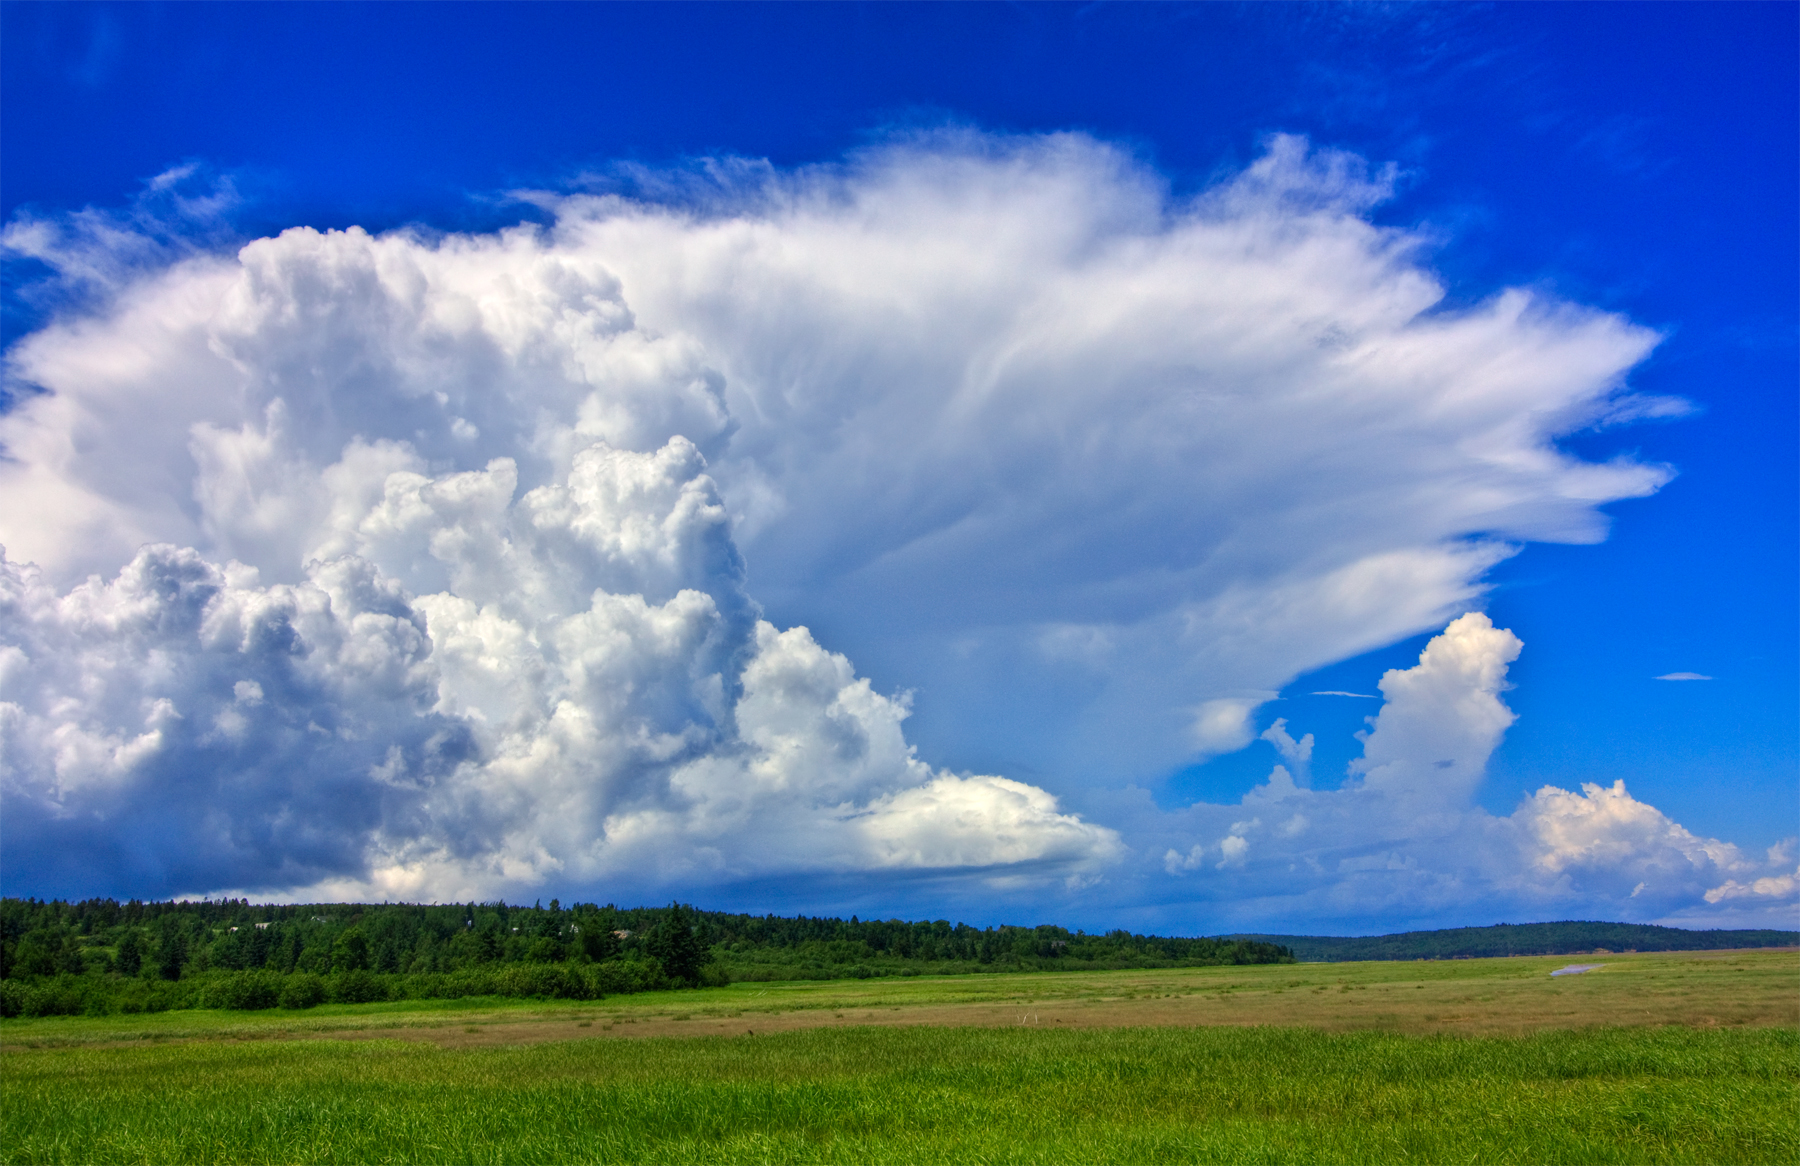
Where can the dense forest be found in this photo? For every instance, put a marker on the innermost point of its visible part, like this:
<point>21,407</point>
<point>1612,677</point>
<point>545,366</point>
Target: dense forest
<point>100,956</point>
<point>1568,938</point>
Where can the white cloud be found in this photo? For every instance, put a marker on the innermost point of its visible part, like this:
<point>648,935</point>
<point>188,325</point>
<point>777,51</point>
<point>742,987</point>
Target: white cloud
<point>1224,725</point>
<point>1297,754</point>
<point>1176,862</point>
<point>591,696</point>
<point>1403,837</point>
<point>1442,718</point>
<point>1150,455</point>
<point>1683,676</point>
<point>1774,887</point>
<point>1097,469</point>
<point>1607,829</point>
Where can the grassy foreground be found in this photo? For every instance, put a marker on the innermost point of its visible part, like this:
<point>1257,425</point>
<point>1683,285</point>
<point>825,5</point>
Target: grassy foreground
<point>1653,1058</point>
<point>926,1095</point>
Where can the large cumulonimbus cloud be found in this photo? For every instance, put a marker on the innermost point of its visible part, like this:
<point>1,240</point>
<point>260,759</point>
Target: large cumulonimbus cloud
<point>589,696</point>
<point>418,565</point>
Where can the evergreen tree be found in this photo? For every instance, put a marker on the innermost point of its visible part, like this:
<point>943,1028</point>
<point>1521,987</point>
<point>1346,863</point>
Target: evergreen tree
<point>69,958</point>
<point>173,954</point>
<point>351,951</point>
<point>597,939</point>
<point>131,954</point>
<point>675,942</point>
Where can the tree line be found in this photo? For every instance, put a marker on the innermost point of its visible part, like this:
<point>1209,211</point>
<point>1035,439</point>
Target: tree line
<point>103,956</point>
<point>1569,937</point>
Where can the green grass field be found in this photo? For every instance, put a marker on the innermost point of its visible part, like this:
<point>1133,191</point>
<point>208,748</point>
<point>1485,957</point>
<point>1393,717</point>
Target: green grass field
<point>1013,1069</point>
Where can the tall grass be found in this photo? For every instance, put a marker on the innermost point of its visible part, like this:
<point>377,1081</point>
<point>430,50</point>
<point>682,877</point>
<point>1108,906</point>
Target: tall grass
<point>924,1095</point>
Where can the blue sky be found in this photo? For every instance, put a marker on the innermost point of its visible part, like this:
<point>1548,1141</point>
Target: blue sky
<point>1020,568</point>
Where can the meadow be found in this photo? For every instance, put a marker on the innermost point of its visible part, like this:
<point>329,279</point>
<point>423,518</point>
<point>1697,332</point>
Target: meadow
<point>1667,1057</point>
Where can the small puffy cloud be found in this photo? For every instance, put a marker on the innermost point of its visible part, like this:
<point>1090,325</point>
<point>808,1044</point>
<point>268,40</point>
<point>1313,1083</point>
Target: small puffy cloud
<point>1443,717</point>
<point>1775,888</point>
<point>1297,754</point>
<point>1771,889</point>
<point>1403,837</point>
<point>1224,725</point>
<point>1176,862</point>
<point>979,821</point>
<point>1606,829</point>
<point>1683,676</point>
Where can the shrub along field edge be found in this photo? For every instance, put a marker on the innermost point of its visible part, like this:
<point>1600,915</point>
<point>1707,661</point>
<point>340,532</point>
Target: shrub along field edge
<point>107,995</point>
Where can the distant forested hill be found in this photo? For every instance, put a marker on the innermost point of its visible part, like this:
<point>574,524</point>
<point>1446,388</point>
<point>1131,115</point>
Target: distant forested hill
<point>1567,938</point>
